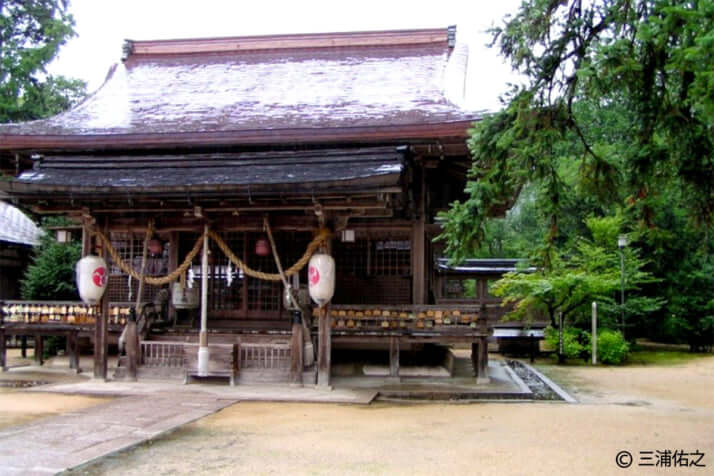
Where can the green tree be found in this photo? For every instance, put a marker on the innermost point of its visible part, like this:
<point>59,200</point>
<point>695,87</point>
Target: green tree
<point>588,272</point>
<point>51,275</point>
<point>31,34</point>
<point>653,59</point>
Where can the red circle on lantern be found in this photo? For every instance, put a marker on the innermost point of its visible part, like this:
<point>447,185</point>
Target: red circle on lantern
<point>313,275</point>
<point>99,277</point>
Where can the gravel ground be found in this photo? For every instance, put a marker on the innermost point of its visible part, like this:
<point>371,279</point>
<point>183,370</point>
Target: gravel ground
<point>632,408</point>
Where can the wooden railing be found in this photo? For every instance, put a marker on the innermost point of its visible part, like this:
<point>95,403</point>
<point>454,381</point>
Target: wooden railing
<point>162,354</point>
<point>265,356</point>
<point>252,356</point>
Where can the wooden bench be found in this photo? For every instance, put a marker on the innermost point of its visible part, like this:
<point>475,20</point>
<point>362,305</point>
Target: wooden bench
<point>223,361</point>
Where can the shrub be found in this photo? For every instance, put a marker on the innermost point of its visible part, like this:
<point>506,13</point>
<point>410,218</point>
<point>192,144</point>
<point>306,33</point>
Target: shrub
<point>612,348</point>
<point>576,342</point>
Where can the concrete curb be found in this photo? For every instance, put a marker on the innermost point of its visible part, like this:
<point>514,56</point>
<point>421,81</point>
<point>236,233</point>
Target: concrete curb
<point>521,384</point>
<point>553,386</point>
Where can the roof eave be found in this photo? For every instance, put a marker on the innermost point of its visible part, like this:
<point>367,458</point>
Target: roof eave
<point>455,130</point>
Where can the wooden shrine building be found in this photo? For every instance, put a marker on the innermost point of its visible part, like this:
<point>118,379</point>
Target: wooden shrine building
<point>357,133</point>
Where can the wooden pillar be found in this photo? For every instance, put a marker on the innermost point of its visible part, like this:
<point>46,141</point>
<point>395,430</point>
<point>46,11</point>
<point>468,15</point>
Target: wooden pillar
<point>474,357</point>
<point>73,340</point>
<point>324,341</point>
<point>418,264</point>
<point>482,375</point>
<point>39,349</point>
<point>86,242</point>
<point>479,350</point>
<point>394,357</point>
<point>132,350</point>
<point>418,246</point>
<point>3,351</point>
<point>324,348</point>
<point>203,350</point>
<point>101,346</point>
<point>296,351</point>
<point>23,347</point>
<point>173,264</point>
<point>69,350</point>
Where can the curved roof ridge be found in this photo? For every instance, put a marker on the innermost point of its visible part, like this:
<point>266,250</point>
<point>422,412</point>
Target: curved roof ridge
<point>442,36</point>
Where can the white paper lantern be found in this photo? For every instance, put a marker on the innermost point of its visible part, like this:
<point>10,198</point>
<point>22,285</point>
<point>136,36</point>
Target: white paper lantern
<point>92,278</point>
<point>321,278</point>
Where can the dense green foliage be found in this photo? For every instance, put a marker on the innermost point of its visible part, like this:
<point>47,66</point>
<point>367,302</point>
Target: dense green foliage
<point>612,348</point>
<point>576,342</point>
<point>31,34</point>
<point>51,275</point>
<point>590,270</point>
<point>615,121</point>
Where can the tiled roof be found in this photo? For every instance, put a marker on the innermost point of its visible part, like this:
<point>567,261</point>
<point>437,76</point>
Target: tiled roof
<point>285,82</point>
<point>16,227</point>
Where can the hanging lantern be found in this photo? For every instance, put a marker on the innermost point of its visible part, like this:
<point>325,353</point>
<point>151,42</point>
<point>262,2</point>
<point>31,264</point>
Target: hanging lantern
<point>321,278</point>
<point>262,247</point>
<point>92,277</point>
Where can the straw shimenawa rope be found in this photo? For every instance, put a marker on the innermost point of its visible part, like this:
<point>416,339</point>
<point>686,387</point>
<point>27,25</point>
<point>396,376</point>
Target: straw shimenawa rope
<point>321,237</point>
<point>154,280</point>
<point>300,264</point>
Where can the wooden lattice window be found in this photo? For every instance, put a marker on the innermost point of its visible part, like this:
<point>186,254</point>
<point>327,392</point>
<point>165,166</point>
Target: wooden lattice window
<point>392,258</point>
<point>121,287</point>
<point>226,281</point>
<point>262,295</point>
<point>241,295</point>
<point>374,269</point>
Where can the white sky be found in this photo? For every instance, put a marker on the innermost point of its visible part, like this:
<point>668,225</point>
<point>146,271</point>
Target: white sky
<point>102,25</point>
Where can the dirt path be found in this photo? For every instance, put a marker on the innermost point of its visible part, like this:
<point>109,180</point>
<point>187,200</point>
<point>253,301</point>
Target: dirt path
<point>635,409</point>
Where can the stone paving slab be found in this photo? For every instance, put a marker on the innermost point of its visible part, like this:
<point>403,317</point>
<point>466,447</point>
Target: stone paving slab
<point>260,393</point>
<point>55,444</point>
